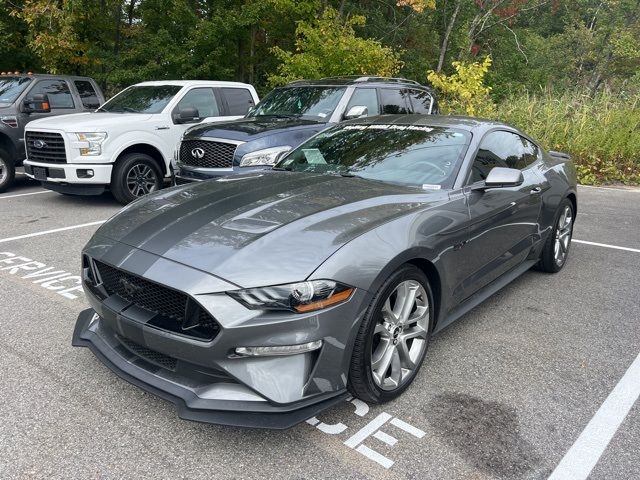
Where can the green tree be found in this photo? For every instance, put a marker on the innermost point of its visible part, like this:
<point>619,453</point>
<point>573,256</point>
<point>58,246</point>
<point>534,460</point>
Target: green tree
<point>328,47</point>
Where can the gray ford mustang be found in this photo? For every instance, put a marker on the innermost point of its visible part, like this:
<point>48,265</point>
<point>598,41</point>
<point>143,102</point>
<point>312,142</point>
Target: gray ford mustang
<point>262,299</point>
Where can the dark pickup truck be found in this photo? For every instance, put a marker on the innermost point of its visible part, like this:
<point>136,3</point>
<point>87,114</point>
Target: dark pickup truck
<point>27,97</point>
<point>288,116</point>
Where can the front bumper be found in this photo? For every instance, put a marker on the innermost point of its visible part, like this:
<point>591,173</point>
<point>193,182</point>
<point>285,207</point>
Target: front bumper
<point>185,174</point>
<point>200,394</point>
<point>67,173</point>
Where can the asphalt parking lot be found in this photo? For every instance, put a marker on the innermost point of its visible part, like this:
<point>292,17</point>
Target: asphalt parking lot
<point>504,393</point>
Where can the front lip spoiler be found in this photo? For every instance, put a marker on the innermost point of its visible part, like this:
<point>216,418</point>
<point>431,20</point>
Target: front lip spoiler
<point>278,418</point>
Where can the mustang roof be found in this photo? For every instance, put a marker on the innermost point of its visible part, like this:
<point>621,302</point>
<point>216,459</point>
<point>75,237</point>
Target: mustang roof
<point>463,123</point>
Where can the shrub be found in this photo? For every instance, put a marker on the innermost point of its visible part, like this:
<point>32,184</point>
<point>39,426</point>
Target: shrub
<point>601,133</point>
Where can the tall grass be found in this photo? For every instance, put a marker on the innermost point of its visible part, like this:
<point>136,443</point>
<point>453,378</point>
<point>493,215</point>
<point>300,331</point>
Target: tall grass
<point>601,133</point>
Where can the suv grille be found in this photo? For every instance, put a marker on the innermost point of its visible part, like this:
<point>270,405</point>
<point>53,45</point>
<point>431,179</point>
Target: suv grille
<point>212,154</point>
<point>170,306</point>
<point>45,147</point>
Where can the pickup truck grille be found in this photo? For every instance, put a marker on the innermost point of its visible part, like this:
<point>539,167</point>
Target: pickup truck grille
<point>45,147</point>
<point>171,306</point>
<point>207,154</point>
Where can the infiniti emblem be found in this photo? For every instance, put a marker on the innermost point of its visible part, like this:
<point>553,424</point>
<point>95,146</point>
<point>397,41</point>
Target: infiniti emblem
<point>39,143</point>
<point>130,288</point>
<point>197,153</point>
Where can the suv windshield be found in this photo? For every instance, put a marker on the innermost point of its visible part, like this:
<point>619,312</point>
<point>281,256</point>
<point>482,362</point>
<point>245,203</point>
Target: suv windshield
<point>412,155</point>
<point>12,87</point>
<point>141,99</point>
<point>315,103</point>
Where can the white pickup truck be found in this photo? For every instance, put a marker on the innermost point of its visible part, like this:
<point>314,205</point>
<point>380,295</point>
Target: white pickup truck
<point>127,144</point>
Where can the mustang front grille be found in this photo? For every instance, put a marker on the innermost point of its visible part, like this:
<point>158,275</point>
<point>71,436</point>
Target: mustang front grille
<point>45,147</point>
<point>175,311</point>
<point>206,154</point>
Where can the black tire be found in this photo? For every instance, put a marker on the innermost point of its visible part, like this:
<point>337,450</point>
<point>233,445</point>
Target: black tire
<point>125,168</point>
<point>548,261</point>
<point>7,170</point>
<point>361,381</point>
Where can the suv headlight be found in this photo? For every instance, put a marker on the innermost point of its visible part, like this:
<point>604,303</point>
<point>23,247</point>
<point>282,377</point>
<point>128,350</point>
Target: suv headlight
<point>298,297</point>
<point>268,156</point>
<point>93,142</point>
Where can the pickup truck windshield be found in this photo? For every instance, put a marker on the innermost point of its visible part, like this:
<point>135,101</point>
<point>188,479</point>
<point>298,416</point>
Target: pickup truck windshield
<point>12,87</point>
<point>315,103</point>
<point>141,99</point>
<point>411,155</point>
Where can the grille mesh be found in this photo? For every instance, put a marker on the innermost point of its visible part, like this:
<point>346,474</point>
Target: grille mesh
<point>152,356</point>
<point>170,304</point>
<point>51,151</point>
<point>216,154</point>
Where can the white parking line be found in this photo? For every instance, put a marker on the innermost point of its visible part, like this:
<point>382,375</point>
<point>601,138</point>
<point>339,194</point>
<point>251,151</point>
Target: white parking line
<point>605,245</point>
<point>590,445</point>
<point>55,230</point>
<point>25,194</point>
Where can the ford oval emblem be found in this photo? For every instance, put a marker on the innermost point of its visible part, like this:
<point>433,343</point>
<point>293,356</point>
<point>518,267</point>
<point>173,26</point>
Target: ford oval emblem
<point>39,143</point>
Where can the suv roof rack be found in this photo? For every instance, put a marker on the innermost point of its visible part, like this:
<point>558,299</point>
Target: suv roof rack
<point>372,78</point>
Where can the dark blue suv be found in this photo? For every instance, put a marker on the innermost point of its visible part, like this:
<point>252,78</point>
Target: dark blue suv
<point>288,116</point>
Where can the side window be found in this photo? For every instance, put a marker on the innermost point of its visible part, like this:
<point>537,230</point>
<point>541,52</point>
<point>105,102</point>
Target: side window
<point>239,100</point>
<point>88,95</point>
<point>365,97</point>
<point>57,91</point>
<point>502,149</point>
<point>203,100</point>
<point>395,101</point>
<point>421,101</point>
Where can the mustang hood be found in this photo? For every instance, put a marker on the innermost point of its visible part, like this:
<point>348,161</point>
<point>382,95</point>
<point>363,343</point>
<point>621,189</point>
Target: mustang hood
<point>260,229</point>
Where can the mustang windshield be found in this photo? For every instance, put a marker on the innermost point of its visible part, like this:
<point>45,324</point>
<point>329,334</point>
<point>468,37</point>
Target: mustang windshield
<point>12,87</point>
<point>141,99</point>
<point>315,103</point>
<point>413,155</point>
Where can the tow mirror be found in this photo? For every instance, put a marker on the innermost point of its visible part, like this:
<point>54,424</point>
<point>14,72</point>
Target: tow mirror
<point>503,177</point>
<point>187,115</point>
<point>356,111</point>
<point>39,103</point>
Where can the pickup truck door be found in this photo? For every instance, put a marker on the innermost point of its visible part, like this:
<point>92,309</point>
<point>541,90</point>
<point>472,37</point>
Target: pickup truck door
<point>213,105</point>
<point>61,99</point>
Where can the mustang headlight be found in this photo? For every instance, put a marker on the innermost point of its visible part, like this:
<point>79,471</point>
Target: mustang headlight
<point>268,156</point>
<point>91,142</point>
<point>298,297</point>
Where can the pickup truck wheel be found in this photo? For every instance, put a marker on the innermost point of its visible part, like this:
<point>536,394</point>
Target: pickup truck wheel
<point>134,176</point>
<point>7,171</point>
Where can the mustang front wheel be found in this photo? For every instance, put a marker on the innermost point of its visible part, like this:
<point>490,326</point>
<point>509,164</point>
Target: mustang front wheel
<point>393,338</point>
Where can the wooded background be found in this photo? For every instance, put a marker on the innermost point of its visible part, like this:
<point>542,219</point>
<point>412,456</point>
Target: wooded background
<point>564,70</point>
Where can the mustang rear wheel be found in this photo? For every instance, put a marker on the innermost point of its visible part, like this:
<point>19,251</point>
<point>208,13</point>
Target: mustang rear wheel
<point>393,337</point>
<point>556,249</point>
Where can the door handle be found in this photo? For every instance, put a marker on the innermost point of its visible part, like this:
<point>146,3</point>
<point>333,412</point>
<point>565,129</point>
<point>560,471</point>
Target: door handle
<point>535,190</point>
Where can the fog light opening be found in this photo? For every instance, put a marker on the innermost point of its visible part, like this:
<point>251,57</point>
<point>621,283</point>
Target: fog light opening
<point>278,350</point>
<point>85,173</point>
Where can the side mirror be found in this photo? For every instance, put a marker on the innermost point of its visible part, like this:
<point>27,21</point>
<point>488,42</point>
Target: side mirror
<point>39,103</point>
<point>187,115</point>
<point>503,177</point>
<point>356,111</point>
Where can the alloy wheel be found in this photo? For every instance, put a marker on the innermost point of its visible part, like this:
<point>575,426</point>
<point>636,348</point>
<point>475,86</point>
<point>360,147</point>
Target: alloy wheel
<point>563,236</point>
<point>4,171</point>
<point>400,336</point>
<point>141,180</point>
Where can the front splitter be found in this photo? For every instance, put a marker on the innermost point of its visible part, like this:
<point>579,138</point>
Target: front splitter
<point>237,414</point>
